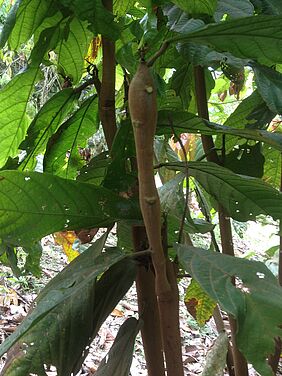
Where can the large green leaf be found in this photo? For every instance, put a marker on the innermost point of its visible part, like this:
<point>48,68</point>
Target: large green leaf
<point>69,311</point>
<point>30,15</point>
<point>33,205</point>
<point>258,38</point>
<point>71,136</point>
<point>197,6</point>
<point>72,50</point>
<point>269,84</point>
<point>118,360</point>
<point>243,197</point>
<point>187,122</point>
<point>46,122</point>
<point>255,301</point>
<point>272,166</point>
<point>9,24</point>
<point>13,119</point>
<point>100,20</point>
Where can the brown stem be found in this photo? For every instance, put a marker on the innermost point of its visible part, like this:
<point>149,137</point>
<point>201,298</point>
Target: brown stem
<point>148,308</point>
<point>107,93</point>
<point>240,364</point>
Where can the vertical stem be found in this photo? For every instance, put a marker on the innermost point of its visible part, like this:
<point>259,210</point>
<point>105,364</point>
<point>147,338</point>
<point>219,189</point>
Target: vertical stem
<point>240,364</point>
<point>148,308</point>
<point>107,93</point>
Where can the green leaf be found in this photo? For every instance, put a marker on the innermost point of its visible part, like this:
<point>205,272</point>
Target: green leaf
<point>258,38</point>
<point>118,360</point>
<point>179,21</point>
<point>216,357</point>
<point>13,119</point>
<point>187,122</point>
<point>173,202</point>
<point>243,197</point>
<point>33,205</point>
<point>198,303</point>
<point>32,264</point>
<point>255,299</point>
<point>272,167</point>
<point>95,171</point>
<point>72,50</point>
<point>181,83</point>
<point>9,24</point>
<point>46,122</point>
<point>197,6</point>
<point>100,20</point>
<point>30,16</point>
<point>233,8</point>
<point>122,6</point>
<point>268,6</point>
<point>246,160</point>
<point>269,84</point>
<point>71,136</point>
<point>79,303</point>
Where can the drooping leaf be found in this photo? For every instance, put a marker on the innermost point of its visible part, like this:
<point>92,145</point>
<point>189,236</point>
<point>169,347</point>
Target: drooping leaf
<point>13,119</point>
<point>269,84</point>
<point>181,83</point>
<point>187,122</point>
<point>32,264</point>
<point>198,303</point>
<point>9,24</point>
<point>258,38</point>
<point>66,240</point>
<point>29,17</point>
<point>216,356</point>
<point>233,8</point>
<point>101,21</point>
<point>72,50</point>
<point>179,21</point>
<point>197,6</point>
<point>118,360</point>
<point>62,156</point>
<point>69,311</point>
<point>173,203</point>
<point>33,205</point>
<point>46,122</point>
<point>272,167</point>
<point>96,170</point>
<point>243,197</point>
<point>255,299</point>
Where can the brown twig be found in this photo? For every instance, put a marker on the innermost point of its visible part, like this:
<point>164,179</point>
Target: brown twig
<point>161,51</point>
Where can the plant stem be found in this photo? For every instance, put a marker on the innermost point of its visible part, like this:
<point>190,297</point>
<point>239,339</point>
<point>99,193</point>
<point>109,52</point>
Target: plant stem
<point>240,364</point>
<point>148,308</point>
<point>107,93</point>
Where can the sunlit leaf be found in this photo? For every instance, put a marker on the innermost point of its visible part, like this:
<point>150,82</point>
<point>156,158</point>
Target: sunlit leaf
<point>13,119</point>
<point>72,50</point>
<point>66,240</point>
<point>62,156</point>
<point>46,122</point>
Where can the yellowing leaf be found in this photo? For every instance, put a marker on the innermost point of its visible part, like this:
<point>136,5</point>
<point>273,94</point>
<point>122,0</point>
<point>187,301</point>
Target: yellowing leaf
<point>66,240</point>
<point>93,49</point>
<point>198,303</point>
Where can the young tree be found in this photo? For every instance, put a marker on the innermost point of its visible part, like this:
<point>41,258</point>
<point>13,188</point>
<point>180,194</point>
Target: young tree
<point>144,71</point>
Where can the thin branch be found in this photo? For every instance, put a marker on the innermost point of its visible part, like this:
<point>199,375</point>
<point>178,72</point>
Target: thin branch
<point>161,51</point>
<point>187,181</point>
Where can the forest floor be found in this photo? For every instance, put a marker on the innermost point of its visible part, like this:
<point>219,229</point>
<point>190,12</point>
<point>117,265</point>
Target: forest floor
<point>17,294</point>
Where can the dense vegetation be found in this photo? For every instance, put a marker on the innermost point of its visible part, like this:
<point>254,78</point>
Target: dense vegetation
<point>185,93</point>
